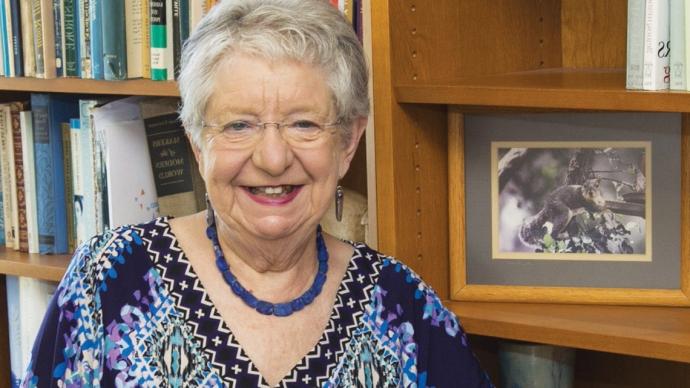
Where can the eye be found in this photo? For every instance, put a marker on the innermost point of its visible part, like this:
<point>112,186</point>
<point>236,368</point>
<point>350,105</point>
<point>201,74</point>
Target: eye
<point>305,126</point>
<point>238,126</point>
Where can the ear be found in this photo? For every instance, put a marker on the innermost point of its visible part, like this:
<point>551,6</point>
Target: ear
<point>357,130</point>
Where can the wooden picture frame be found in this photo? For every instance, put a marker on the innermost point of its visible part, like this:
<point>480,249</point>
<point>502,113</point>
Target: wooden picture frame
<point>462,289</point>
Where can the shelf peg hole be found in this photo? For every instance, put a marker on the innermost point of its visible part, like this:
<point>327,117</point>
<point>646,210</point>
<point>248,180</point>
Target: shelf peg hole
<point>413,31</point>
<point>414,77</point>
<point>413,8</point>
<point>414,54</point>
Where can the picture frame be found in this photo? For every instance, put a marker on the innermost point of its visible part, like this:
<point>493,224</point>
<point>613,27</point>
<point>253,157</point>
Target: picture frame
<point>660,276</point>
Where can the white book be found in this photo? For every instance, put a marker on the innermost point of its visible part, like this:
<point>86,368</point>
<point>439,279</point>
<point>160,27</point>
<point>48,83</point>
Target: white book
<point>686,13</point>
<point>77,182</point>
<point>635,47</point>
<point>131,189</point>
<point>677,37</point>
<point>197,10</point>
<point>169,55</point>
<point>91,216</point>
<point>134,36</point>
<point>27,39</point>
<point>27,302</point>
<point>26,123</point>
<point>656,74</point>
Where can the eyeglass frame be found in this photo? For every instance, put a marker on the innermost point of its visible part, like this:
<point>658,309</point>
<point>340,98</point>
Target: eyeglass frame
<point>278,126</point>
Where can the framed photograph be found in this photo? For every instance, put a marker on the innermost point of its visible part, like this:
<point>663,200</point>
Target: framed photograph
<point>570,207</point>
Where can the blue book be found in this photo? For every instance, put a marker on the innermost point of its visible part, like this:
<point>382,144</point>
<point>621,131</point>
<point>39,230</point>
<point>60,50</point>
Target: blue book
<point>17,39</point>
<point>5,40</point>
<point>95,7</point>
<point>49,111</point>
<point>114,45</point>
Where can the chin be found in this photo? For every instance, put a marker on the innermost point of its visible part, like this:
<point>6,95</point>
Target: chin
<point>275,227</point>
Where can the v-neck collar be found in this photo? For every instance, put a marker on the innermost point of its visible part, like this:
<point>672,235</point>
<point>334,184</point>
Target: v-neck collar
<point>223,350</point>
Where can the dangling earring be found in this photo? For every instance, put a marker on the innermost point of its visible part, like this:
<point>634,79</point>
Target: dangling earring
<point>339,198</point>
<point>210,215</point>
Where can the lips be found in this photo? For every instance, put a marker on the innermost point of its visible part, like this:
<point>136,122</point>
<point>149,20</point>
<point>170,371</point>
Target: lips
<point>273,195</point>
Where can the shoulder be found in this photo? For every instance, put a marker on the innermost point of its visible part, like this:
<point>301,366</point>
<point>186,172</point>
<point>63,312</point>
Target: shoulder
<point>401,290</point>
<point>104,256</point>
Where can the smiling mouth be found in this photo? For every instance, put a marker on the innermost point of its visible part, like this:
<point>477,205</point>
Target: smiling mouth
<point>272,191</point>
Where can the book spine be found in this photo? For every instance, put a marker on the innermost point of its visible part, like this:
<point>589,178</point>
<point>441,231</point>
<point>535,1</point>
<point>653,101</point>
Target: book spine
<point>6,39</point>
<point>22,227</point>
<point>101,175</point>
<point>635,44</point>
<point>48,112</point>
<point>169,54</point>
<point>58,38</point>
<point>2,217</point>
<point>146,39</point>
<point>677,39</point>
<point>77,182</point>
<point>159,41</point>
<point>38,38</point>
<point>7,193</point>
<point>14,331</point>
<point>87,36</point>
<point>686,15</point>
<point>11,150</point>
<point>656,46</point>
<point>71,66</point>
<point>17,39</point>
<point>114,45</point>
<point>96,27</point>
<point>48,38</point>
<point>87,220</point>
<point>29,55</point>
<point>196,12</point>
<point>176,37</point>
<point>68,186</point>
<point>29,180</point>
<point>135,38</point>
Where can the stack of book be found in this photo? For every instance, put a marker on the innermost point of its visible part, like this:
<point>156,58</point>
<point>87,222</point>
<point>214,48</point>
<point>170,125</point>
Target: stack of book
<point>73,168</point>
<point>657,44</point>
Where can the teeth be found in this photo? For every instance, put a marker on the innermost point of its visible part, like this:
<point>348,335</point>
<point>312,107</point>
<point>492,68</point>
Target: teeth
<point>272,190</point>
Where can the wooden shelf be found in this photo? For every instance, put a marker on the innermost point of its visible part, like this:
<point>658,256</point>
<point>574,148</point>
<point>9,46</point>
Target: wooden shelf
<point>141,87</point>
<point>653,332</point>
<point>594,89</point>
<point>45,267</point>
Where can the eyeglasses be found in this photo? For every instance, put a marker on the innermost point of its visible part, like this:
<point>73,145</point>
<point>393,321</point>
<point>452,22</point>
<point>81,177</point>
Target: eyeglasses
<point>246,133</point>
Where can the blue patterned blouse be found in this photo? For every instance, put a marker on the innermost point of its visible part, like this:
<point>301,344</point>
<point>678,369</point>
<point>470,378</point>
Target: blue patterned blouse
<point>131,312</point>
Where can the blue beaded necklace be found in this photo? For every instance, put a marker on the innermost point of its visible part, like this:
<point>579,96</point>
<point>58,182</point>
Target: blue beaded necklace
<point>262,306</point>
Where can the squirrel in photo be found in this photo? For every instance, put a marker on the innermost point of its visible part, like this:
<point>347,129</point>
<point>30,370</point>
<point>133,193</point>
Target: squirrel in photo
<point>560,206</point>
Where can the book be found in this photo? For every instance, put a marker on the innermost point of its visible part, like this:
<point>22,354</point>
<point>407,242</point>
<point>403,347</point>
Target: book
<point>78,194</point>
<point>180,17</point>
<point>25,13</point>
<point>85,38</point>
<point>17,39</point>
<point>197,9</point>
<point>27,301</point>
<point>68,185</point>
<point>6,45</point>
<point>44,38</point>
<point>131,197</point>
<point>48,112</point>
<point>71,38</point>
<point>8,191</point>
<point>179,186</point>
<point>12,111</point>
<point>656,75</point>
<point>96,41</point>
<point>677,39</point>
<point>114,44</point>
<point>25,122</point>
<point>134,21</point>
<point>91,220</point>
<point>686,16</point>
<point>159,40</point>
<point>100,171</point>
<point>58,41</point>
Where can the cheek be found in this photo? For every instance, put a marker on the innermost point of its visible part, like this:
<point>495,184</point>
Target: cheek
<point>218,166</point>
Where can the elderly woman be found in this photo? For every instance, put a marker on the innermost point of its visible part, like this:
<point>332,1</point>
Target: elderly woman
<point>251,292</point>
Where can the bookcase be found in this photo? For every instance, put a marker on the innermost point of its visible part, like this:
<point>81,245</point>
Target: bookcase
<point>433,62</point>
<point>433,57</point>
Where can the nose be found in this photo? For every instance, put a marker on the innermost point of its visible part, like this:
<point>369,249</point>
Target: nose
<point>272,153</point>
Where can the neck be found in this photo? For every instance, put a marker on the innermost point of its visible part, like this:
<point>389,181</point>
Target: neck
<point>274,270</point>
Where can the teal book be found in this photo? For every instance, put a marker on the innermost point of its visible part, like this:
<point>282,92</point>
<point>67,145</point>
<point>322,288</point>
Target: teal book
<point>114,44</point>
<point>95,7</point>
<point>49,112</point>
<point>159,41</point>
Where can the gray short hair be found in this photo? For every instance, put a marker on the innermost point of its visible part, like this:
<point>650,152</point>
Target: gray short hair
<point>310,31</point>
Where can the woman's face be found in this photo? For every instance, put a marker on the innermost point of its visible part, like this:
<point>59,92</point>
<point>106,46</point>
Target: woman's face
<point>271,185</point>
